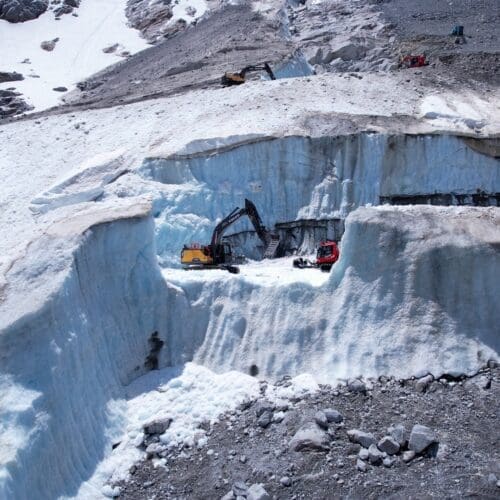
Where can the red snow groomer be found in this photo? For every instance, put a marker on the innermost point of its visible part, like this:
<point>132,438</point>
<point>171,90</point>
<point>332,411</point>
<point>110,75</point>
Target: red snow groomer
<point>328,254</point>
<point>411,61</point>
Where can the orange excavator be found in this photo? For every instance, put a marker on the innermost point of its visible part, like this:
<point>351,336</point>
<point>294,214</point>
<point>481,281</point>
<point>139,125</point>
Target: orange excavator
<point>230,79</point>
<point>219,254</point>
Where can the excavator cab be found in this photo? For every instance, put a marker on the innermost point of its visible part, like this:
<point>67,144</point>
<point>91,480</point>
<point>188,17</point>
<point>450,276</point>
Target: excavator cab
<point>196,254</point>
<point>223,253</point>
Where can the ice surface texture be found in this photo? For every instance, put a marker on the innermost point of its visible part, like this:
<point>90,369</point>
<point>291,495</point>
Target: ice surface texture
<point>80,339</point>
<point>305,178</point>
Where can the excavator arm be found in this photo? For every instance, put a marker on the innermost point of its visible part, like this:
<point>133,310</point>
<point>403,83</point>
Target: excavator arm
<point>229,79</point>
<point>259,67</point>
<point>250,211</point>
<point>221,227</point>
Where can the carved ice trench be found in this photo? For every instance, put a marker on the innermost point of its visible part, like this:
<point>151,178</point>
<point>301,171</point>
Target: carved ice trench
<point>94,333</point>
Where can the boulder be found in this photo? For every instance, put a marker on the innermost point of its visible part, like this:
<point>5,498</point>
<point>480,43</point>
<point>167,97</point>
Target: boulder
<point>365,439</point>
<point>285,481</point>
<point>423,383</point>
<point>111,48</point>
<point>154,449</point>
<point>240,489</point>
<point>60,89</point>
<point>257,492</point>
<point>49,45</point>
<point>408,456</point>
<point>333,416</point>
<point>389,445</point>
<point>375,456</point>
<point>66,7</point>
<point>11,103</point>
<point>63,9</point>
<point>421,437</point>
<point>357,385</point>
<point>265,419</point>
<point>263,406</point>
<point>361,466</point>
<point>321,420</point>
<point>310,438</point>
<point>18,11</point>
<point>12,76</point>
<point>157,426</point>
<point>348,52</point>
<point>363,454</point>
<point>398,432</point>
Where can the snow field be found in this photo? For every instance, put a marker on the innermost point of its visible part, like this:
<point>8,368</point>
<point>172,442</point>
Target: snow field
<point>77,55</point>
<point>264,273</point>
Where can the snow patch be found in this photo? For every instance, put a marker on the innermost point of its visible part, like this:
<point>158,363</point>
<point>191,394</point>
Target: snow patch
<point>77,55</point>
<point>191,395</point>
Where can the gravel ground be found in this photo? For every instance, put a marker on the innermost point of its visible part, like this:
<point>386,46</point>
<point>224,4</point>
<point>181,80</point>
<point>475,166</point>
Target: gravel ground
<point>414,18</point>
<point>425,26</point>
<point>463,414</point>
<point>231,38</point>
<point>196,58</point>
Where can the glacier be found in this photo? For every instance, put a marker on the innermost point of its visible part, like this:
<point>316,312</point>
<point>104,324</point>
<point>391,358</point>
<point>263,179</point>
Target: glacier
<point>94,285</point>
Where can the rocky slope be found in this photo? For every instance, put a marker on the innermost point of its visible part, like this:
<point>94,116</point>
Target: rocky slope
<point>306,448</point>
<point>351,36</point>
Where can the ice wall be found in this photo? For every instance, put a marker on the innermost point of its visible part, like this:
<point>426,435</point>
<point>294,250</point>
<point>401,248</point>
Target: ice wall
<point>74,329</point>
<point>307,178</point>
<point>415,291</point>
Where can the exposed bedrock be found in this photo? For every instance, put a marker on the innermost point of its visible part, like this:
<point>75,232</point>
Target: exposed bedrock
<point>308,179</point>
<point>78,331</point>
<point>414,292</point>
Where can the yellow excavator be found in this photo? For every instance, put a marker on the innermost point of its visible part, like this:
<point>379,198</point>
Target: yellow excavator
<point>230,79</point>
<point>219,254</point>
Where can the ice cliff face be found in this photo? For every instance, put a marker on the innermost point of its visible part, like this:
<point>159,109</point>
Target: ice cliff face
<point>415,284</point>
<point>76,327</point>
<point>304,178</point>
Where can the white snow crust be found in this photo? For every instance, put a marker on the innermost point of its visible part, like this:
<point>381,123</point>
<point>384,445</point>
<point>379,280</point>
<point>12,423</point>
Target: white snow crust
<point>77,55</point>
<point>44,153</point>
